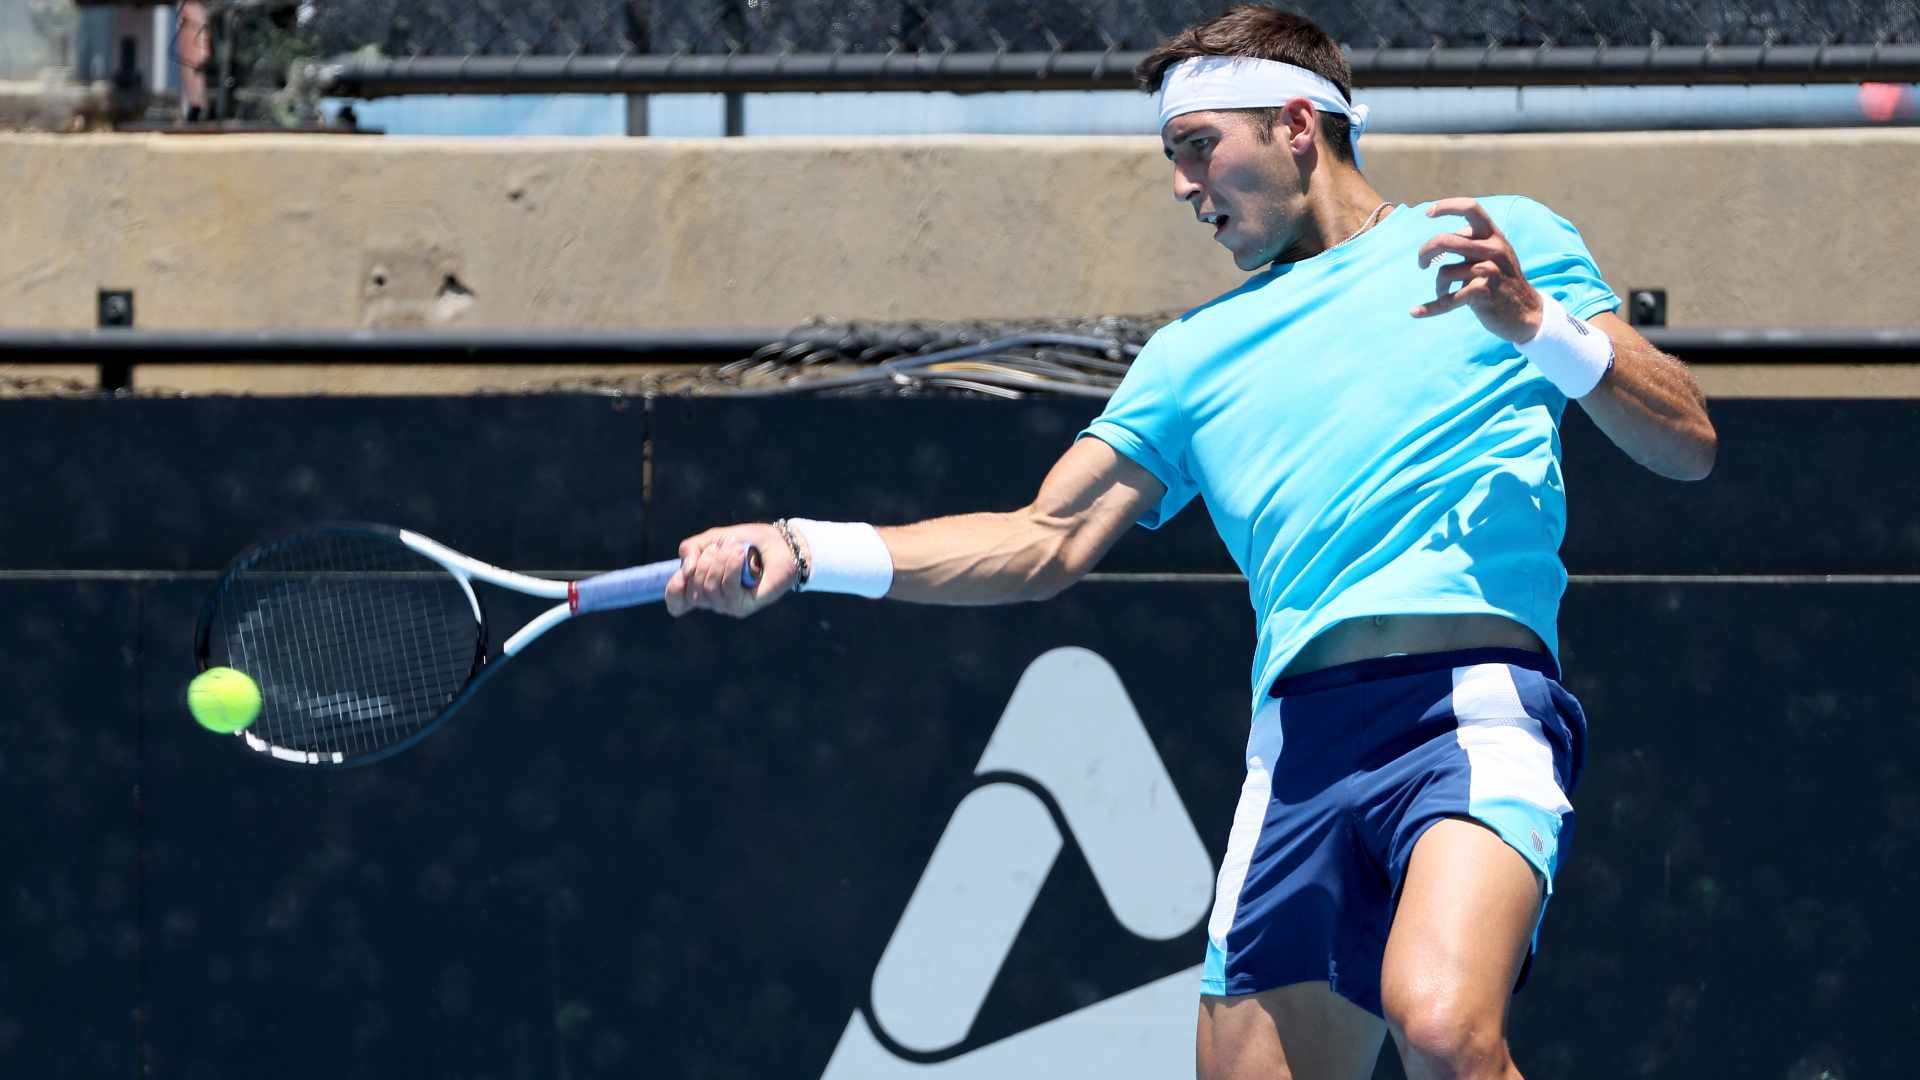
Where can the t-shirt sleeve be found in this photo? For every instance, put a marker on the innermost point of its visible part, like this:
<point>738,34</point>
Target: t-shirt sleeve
<point>1143,422</point>
<point>1555,258</point>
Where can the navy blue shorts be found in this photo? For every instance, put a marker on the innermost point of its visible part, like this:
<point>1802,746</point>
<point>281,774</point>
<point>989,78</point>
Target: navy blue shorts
<point>1346,769</point>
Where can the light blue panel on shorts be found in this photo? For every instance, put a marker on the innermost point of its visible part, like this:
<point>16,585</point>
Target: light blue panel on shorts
<point>1213,976</point>
<point>1532,831</point>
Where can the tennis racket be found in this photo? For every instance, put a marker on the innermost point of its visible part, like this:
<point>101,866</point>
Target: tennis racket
<point>364,638</point>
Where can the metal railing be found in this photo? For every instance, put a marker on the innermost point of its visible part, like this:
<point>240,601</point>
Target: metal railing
<point>1015,359</point>
<point>976,72</point>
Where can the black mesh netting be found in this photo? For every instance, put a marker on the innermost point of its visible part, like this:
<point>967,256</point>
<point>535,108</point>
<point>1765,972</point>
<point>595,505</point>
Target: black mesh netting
<point>613,27</point>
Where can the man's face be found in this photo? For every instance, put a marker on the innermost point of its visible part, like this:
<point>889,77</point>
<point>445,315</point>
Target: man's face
<point>1248,190</point>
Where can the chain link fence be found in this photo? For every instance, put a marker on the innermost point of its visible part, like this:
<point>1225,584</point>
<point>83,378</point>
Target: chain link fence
<point>652,46</point>
<point>457,28</point>
<point>373,48</point>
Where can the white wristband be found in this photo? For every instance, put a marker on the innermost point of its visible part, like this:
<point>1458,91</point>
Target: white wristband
<point>1570,352</point>
<point>847,557</point>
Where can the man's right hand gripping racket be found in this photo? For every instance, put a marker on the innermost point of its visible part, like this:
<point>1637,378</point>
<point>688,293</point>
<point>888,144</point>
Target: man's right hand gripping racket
<point>363,638</point>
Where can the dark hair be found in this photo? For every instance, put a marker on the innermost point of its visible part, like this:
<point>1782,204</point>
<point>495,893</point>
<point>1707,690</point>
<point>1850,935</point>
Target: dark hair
<point>1267,34</point>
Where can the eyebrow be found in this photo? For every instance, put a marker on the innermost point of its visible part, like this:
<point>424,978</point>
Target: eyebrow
<point>1168,148</point>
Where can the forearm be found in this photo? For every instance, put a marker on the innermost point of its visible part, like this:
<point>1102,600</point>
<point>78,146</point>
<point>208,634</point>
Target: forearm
<point>1091,496</point>
<point>1651,407</point>
<point>975,559</point>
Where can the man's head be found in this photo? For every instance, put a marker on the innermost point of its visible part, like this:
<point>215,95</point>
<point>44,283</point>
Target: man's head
<point>1262,33</point>
<point>1246,169</point>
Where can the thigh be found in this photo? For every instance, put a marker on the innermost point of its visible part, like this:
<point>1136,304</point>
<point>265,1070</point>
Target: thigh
<point>1463,928</point>
<point>1299,1032</point>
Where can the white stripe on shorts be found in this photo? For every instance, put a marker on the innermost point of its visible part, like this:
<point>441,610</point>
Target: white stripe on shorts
<point>1507,754</point>
<point>1248,816</point>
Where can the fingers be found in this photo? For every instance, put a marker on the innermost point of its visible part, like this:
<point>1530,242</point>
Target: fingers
<point>676,597</point>
<point>712,565</point>
<point>1447,301</point>
<point>1473,249</point>
<point>1489,275</point>
<point>1446,297</point>
<point>1456,273</point>
<point>717,585</point>
<point>695,544</point>
<point>1476,215</point>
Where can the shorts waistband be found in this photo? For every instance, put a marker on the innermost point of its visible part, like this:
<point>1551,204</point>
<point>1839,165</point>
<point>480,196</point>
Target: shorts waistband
<point>1393,667</point>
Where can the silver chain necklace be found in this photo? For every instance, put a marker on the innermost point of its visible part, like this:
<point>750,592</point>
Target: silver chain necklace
<point>1367,224</point>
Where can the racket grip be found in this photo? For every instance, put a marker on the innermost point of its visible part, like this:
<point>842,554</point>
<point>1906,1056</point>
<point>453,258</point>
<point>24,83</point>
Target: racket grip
<point>647,584</point>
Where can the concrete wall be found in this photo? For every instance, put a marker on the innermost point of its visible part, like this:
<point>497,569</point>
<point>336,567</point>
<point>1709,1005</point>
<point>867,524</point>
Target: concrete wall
<point>1772,228</point>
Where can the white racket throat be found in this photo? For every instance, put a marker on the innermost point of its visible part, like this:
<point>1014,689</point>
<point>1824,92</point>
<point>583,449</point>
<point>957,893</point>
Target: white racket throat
<point>466,567</point>
<point>546,621</point>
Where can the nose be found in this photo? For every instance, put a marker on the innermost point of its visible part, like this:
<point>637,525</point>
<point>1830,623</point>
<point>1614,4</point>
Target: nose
<point>1185,186</point>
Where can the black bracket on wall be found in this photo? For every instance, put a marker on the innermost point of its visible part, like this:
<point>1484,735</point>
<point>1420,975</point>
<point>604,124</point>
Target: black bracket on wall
<point>1647,307</point>
<point>115,309</point>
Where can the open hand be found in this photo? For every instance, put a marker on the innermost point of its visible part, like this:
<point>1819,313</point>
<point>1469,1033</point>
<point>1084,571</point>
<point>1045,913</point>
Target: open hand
<point>1488,277</point>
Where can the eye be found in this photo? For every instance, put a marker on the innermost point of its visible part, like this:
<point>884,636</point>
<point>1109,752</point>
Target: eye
<point>1191,149</point>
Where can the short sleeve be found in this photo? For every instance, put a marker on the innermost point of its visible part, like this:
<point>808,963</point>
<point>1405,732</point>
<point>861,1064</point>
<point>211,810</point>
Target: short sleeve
<point>1555,258</point>
<point>1143,422</point>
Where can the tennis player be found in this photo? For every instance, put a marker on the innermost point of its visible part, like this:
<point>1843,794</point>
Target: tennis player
<point>1371,420</point>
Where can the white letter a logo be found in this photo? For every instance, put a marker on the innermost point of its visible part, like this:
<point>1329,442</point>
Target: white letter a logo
<point>1071,730</point>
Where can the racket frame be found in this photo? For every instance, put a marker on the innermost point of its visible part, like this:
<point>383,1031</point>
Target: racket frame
<point>476,673</point>
<point>614,591</point>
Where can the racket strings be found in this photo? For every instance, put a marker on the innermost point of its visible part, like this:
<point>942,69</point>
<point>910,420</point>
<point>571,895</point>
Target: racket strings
<point>356,642</point>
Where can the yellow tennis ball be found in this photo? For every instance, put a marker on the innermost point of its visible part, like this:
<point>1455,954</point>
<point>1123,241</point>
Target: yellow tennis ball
<point>223,699</point>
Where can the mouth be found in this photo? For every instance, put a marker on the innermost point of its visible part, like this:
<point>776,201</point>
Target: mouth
<point>1218,221</point>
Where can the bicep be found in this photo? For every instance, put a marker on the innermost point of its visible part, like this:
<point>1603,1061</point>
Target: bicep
<point>1098,493</point>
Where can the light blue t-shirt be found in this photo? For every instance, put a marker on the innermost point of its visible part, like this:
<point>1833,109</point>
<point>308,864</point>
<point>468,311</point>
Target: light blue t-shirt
<point>1358,461</point>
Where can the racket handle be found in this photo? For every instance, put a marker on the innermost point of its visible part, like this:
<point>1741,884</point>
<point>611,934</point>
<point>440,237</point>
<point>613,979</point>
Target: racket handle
<point>647,584</point>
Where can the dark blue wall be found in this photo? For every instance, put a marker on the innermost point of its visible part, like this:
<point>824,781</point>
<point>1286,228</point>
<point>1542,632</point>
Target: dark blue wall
<point>678,848</point>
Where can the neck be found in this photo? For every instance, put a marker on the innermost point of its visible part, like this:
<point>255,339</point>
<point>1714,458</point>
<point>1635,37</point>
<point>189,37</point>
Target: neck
<point>1336,207</point>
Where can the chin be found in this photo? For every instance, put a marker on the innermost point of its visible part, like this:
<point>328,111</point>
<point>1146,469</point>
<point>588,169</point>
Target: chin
<point>1246,260</point>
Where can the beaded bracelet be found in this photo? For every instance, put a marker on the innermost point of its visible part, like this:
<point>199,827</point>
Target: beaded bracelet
<point>800,569</point>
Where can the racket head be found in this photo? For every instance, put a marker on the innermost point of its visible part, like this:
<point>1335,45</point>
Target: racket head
<point>360,645</point>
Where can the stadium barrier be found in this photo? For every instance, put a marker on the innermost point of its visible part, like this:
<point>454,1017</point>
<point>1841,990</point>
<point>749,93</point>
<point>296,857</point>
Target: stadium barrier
<point>718,848</point>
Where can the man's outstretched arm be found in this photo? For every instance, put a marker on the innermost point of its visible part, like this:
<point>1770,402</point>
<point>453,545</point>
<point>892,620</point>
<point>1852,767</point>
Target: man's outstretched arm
<point>1089,498</point>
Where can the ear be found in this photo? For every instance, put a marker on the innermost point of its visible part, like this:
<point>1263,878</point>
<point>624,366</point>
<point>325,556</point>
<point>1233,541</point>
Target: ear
<point>1299,123</point>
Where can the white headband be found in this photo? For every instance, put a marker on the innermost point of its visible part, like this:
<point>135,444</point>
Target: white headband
<point>1205,83</point>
